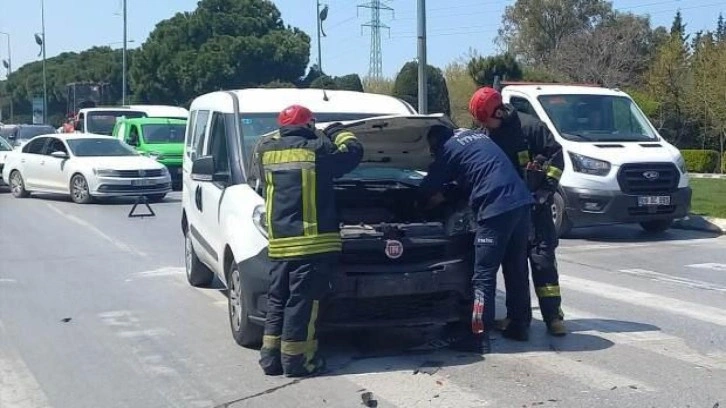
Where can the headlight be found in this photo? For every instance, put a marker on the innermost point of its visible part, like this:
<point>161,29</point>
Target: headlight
<point>681,163</point>
<point>106,173</point>
<point>164,171</point>
<point>259,218</point>
<point>588,165</point>
<point>460,223</point>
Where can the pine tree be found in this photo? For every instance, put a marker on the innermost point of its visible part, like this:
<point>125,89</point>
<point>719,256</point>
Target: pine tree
<point>679,27</point>
<point>720,29</point>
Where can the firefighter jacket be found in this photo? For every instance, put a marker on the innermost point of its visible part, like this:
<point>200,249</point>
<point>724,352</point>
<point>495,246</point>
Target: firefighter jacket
<point>297,167</point>
<point>525,139</point>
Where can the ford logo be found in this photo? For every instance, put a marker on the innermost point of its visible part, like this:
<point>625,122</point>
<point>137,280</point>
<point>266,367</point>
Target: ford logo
<point>651,175</point>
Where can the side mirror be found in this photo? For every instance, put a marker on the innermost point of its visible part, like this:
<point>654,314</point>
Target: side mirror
<point>59,155</point>
<point>203,169</point>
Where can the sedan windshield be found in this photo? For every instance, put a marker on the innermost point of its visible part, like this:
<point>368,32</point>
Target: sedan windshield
<point>103,122</point>
<point>597,118</point>
<point>98,147</point>
<point>166,133</point>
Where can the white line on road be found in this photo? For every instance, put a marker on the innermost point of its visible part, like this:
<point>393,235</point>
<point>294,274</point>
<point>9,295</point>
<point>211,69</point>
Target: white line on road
<point>714,266</point>
<point>120,245</point>
<point>7,280</point>
<point>659,303</point>
<point>662,277</point>
<point>157,273</point>
<point>18,386</point>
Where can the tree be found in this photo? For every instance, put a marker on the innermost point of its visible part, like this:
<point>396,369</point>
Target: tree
<point>461,87</point>
<point>406,88</point>
<point>383,86</point>
<point>483,70</point>
<point>720,29</point>
<point>679,27</point>
<point>324,82</point>
<point>534,29</point>
<point>350,82</point>
<point>223,44</point>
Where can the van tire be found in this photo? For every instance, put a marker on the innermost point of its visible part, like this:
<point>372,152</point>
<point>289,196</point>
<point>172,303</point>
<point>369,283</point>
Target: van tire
<point>559,215</point>
<point>656,226</point>
<point>244,332</point>
<point>198,275</point>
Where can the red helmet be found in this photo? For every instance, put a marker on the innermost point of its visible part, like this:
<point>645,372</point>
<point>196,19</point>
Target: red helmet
<point>295,115</point>
<point>484,103</point>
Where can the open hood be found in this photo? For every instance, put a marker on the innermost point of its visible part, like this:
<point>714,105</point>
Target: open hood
<point>396,141</point>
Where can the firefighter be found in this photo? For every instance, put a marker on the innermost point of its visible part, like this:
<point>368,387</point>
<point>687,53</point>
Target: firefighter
<point>538,158</point>
<point>500,202</point>
<point>297,166</point>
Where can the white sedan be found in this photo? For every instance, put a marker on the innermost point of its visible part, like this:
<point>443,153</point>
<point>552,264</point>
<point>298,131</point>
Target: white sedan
<point>85,166</point>
<point>5,149</point>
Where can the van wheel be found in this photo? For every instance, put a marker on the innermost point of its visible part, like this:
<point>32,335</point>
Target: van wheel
<point>198,275</point>
<point>656,226</point>
<point>562,223</point>
<point>245,333</point>
<point>17,185</point>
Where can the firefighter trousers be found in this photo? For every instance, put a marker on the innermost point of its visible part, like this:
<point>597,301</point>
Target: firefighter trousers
<point>502,241</point>
<point>542,246</point>
<point>290,341</point>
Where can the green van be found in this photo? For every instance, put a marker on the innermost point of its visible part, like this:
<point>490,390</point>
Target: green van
<point>159,138</point>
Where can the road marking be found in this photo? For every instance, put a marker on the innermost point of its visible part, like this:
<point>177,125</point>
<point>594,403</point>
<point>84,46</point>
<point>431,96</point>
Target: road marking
<point>117,243</point>
<point>696,311</point>
<point>18,387</point>
<point>662,277</point>
<point>157,273</point>
<point>7,280</point>
<point>714,266</point>
<point>659,244</point>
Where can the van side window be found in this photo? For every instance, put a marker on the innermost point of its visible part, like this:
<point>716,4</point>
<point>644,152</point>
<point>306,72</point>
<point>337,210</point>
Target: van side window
<point>217,146</point>
<point>190,132</point>
<point>200,129</point>
<point>523,105</point>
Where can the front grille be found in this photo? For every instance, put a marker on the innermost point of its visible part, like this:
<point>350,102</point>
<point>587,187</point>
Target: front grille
<point>632,178</point>
<point>432,305</point>
<point>112,188</point>
<point>137,173</point>
<point>652,210</point>
<point>378,255</point>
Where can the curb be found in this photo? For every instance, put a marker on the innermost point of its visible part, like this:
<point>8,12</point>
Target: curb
<point>706,176</point>
<point>699,223</point>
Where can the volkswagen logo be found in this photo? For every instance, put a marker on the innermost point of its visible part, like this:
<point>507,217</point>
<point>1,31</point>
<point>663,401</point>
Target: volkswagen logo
<point>651,175</point>
<point>142,173</point>
<point>394,249</point>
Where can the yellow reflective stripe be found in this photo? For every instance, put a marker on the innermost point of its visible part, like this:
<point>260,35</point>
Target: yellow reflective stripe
<point>268,202</point>
<point>523,157</point>
<point>548,291</point>
<point>554,172</point>
<point>288,156</point>
<point>312,344</point>
<point>289,252</point>
<point>271,342</point>
<point>343,137</point>
<point>296,348</point>
<point>309,202</point>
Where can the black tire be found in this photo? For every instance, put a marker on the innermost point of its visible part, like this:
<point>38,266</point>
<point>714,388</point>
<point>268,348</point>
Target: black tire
<point>198,275</point>
<point>562,223</point>
<point>156,198</point>
<point>80,193</point>
<point>656,226</point>
<point>244,332</point>
<point>17,185</point>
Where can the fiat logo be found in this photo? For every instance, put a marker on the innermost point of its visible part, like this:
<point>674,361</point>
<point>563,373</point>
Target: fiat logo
<point>394,249</point>
<point>651,175</point>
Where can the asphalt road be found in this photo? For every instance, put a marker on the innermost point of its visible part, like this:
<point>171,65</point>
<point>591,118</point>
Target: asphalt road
<point>95,311</point>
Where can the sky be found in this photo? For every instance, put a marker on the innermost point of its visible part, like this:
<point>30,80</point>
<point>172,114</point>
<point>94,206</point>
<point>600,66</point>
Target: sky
<point>455,27</point>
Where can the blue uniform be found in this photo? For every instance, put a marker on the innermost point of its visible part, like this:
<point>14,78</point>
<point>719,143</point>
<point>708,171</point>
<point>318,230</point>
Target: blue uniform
<point>501,201</point>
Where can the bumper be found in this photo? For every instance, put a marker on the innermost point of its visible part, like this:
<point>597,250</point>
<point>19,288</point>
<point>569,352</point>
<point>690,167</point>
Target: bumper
<point>112,186</point>
<point>378,295</point>
<point>592,207</point>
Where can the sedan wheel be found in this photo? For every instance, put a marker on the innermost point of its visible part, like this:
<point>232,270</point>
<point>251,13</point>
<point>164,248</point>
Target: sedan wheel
<point>79,190</point>
<point>17,185</point>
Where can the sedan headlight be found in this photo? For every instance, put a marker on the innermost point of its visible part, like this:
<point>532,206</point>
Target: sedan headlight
<point>164,171</point>
<point>259,218</point>
<point>588,165</point>
<point>106,173</point>
<point>681,163</point>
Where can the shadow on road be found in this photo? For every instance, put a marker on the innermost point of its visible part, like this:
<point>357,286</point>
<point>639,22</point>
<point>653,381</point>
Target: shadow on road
<point>111,201</point>
<point>634,234</point>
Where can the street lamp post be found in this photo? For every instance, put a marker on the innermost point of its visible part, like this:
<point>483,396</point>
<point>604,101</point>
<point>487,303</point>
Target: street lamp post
<point>123,63</point>
<point>40,40</point>
<point>422,80</point>
<point>8,64</point>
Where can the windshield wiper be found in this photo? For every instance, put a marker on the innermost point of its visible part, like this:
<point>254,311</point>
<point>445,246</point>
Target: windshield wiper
<point>578,135</point>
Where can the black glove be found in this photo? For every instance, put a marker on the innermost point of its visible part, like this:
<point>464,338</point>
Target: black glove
<point>331,129</point>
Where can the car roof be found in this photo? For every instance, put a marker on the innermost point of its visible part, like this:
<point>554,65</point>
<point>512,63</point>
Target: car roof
<point>153,121</point>
<point>263,100</point>
<point>109,109</point>
<point>161,110</point>
<point>563,89</point>
<point>73,136</point>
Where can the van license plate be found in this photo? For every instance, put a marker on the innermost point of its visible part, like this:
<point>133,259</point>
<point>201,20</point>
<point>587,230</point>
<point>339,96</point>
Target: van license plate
<point>142,182</point>
<point>644,201</point>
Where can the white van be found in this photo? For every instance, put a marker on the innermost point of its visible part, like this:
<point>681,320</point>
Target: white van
<point>425,281</point>
<point>618,169</point>
<point>102,120</point>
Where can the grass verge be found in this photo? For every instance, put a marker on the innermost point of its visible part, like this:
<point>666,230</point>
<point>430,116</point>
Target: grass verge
<point>709,197</point>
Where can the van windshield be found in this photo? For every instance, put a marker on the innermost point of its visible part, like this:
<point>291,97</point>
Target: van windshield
<point>597,118</point>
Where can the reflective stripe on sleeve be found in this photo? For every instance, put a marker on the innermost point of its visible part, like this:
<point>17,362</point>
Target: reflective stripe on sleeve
<point>554,172</point>
<point>548,291</point>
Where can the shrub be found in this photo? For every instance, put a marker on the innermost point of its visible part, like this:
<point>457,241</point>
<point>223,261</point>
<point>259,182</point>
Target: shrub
<point>700,161</point>
<point>461,87</point>
<point>406,87</point>
<point>723,163</point>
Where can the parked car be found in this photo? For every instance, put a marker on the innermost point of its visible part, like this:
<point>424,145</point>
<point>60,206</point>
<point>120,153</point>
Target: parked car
<point>86,167</point>
<point>18,135</point>
<point>398,267</point>
<point>5,149</point>
<point>158,138</point>
<point>101,121</point>
<point>618,169</point>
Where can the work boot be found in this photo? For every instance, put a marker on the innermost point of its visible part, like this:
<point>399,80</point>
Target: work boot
<point>556,327</point>
<point>516,331</point>
<point>318,364</point>
<point>271,363</point>
<point>472,343</point>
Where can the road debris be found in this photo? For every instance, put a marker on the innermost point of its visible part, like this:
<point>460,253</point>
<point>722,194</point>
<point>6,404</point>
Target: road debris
<point>368,400</point>
<point>66,319</point>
